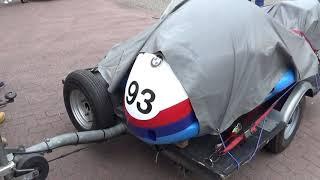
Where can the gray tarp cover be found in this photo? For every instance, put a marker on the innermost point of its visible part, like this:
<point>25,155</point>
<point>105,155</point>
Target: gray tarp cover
<point>227,54</point>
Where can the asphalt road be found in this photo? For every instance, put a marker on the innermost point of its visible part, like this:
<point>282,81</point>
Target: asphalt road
<point>157,5</point>
<point>154,5</point>
<point>42,41</point>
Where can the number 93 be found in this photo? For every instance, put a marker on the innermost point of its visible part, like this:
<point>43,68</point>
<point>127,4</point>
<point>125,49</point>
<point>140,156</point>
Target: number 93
<point>133,91</point>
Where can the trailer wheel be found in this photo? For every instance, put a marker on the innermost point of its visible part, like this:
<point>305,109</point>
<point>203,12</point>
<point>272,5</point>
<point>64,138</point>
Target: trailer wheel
<point>281,141</point>
<point>87,101</point>
<point>33,161</point>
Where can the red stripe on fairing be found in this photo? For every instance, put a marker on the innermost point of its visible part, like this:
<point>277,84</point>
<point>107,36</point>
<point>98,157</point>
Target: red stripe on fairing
<point>165,117</point>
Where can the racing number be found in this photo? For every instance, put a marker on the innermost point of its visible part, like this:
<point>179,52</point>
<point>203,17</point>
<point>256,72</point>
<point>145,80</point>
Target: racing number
<point>147,101</point>
<point>134,94</point>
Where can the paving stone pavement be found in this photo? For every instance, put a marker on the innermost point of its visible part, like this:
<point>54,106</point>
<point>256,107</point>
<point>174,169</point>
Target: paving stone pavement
<point>42,41</point>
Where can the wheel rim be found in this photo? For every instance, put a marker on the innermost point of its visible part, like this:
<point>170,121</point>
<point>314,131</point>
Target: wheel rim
<point>81,109</point>
<point>292,123</point>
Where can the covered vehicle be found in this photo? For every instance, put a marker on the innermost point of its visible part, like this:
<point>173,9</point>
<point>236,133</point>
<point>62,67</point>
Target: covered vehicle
<point>201,67</point>
<point>203,80</point>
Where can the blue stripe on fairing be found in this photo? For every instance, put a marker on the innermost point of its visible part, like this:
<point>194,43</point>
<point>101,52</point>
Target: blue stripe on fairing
<point>190,132</point>
<point>153,133</point>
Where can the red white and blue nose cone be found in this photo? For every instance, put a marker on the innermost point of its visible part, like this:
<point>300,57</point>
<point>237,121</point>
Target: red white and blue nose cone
<point>157,107</point>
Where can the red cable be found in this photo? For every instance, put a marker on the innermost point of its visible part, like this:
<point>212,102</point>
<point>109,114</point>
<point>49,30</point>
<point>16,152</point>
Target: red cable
<point>253,128</point>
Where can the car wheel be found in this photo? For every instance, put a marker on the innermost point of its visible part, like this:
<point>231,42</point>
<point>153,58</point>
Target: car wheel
<point>24,1</point>
<point>281,141</point>
<point>87,101</point>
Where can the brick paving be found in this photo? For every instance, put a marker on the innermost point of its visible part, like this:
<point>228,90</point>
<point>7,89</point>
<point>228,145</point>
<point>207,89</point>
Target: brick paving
<point>42,41</point>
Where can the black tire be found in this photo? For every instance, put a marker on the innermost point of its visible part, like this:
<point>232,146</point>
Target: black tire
<point>279,142</point>
<point>24,1</point>
<point>94,88</point>
<point>33,161</point>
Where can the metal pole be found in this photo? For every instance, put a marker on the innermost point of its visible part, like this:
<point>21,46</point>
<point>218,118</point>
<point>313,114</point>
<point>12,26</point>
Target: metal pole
<point>78,138</point>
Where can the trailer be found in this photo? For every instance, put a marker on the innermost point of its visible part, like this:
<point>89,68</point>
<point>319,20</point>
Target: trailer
<point>198,155</point>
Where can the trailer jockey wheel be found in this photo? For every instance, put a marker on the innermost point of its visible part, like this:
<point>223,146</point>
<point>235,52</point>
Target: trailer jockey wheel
<point>33,161</point>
